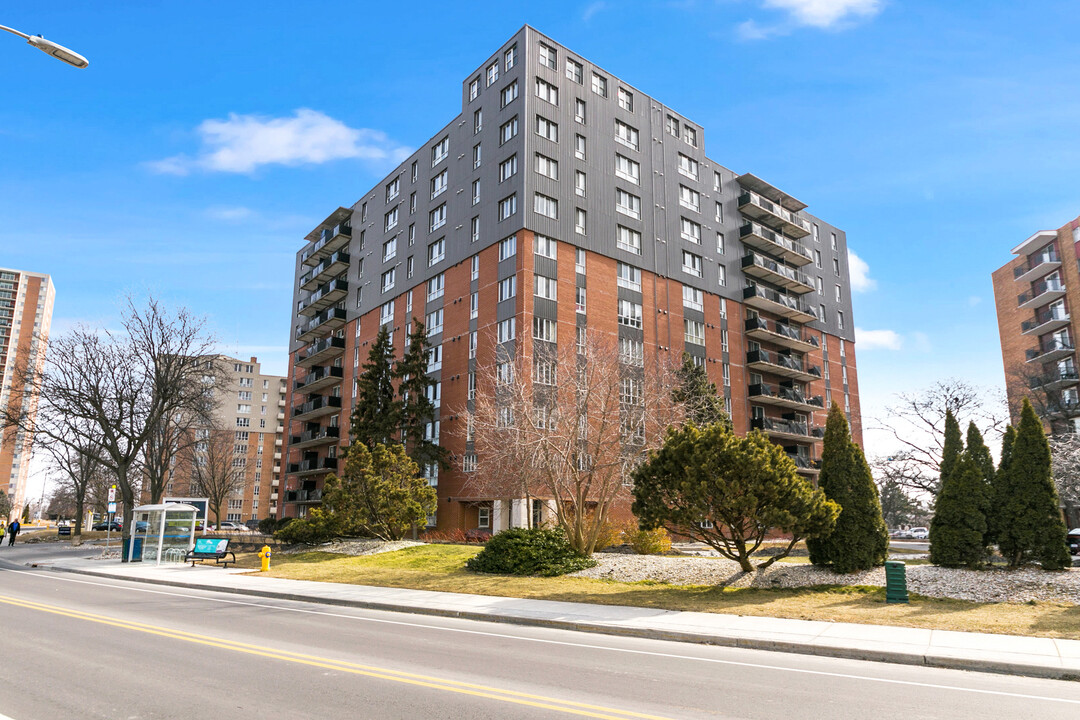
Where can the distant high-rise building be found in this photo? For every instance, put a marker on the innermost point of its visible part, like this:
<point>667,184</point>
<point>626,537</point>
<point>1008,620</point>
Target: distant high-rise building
<point>26,305</point>
<point>563,199</point>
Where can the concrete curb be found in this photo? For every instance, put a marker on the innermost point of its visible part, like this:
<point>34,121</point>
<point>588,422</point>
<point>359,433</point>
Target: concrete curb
<point>927,659</point>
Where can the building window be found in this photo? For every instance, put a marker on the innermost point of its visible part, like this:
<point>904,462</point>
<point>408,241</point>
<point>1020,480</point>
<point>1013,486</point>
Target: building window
<point>478,121</point>
<point>509,94</point>
<point>719,212</point>
<point>389,249</point>
<point>721,275</point>
<point>434,322</point>
<point>631,352</point>
<point>409,267</point>
<point>472,355</point>
<point>439,184</point>
<point>508,168</point>
<point>474,305</point>
<point>580,221</point>
<point>508,130</point>
<point>388,279</point>
<point>476,156</point>
<point>692,298</point>
<point>386,313</point>
<point>688,166</point>
<point>390,221</point>
<point>627,204</point>
<point>627,169</point>
<point>579,183</point>
<point>545,287</point>
<point>510,57</point>
<point>629,277</point>
<point>579,147</point>
<point>507,207</point>
<point>690,230</point>
<point>671,125</point>
<point>691,264</point>
<point>579,110</point>
<point>474,229</point>
<point>630,314</point>
<point>546,206</point>
<point>547,56</point>
<point>476,192</point>
<point>483,516</point>
<point>492,73</point>
<point>626,135</point>
<point>437,218</point>
<point>575,71</point>
<point>626,99</point>
<point>817,258</point>
<point>840,323</point>
<point>833,236</point>
<point>547,92</point>
<point>547,129</point>
<point>599,85</point>
<point>627,239</point>
<point>507,288</point>
<point>436,252</point>
<point>579,300</point>
<point>836,266</point>
<point>393,189</point>
<point>579,261</point>
<point>435,358</point>
<point>690,135</point>
<point>474,92</point>
<point>547,166</point>
<point>544,329</point>
<point>545,246</point>
<point>694,332</point>
<point>838,293</point>
<point>543,371</point>
<point>440,151</point>
<point>720,248</point>
<point>507,248</point>
<point>505,331</point>
<point>435,287</point>
<point>690,198</point>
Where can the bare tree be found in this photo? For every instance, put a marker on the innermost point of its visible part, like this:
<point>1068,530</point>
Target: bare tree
<point>569,424</point>
<point>1044,385</point>
<point>916,421</point>
<point>1065,457</point>
<point>211,461</point>
<point>76,459</point>
<point>116,386</point>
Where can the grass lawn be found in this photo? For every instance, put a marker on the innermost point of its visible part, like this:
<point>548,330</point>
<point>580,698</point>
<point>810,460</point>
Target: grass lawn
<point>441,567</point>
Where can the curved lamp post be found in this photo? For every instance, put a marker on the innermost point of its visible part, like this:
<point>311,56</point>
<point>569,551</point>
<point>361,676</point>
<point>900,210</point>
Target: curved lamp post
<point>47,46</point>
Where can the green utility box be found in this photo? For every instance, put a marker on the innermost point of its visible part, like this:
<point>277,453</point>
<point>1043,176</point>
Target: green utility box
<point>895,581</point>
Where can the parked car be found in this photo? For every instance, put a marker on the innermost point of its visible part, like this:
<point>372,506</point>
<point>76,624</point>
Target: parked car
<point>920,533</point>
<point>113,525</point>
<point>1073,538</point>
<point>232,526</point>
<point>141,526</point>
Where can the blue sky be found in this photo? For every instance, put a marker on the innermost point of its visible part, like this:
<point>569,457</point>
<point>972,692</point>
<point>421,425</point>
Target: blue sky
<point>206,139</point>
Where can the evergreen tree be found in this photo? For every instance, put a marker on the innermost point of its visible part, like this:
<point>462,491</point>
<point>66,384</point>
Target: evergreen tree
<point>999,488</point>
<point>978,451</point>
<point>416,409</point>
<point>1031,528</point>
<point>860,540</point>
<point>958,530</point>
<point>952,448</point>
<point>704,405</point>
<point>376,413</point>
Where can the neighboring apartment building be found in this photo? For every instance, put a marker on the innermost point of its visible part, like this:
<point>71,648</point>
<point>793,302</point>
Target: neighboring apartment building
<point>252,406</point>
<point>1035,293</point>
<point>26,305</point>
<point>563,198</point>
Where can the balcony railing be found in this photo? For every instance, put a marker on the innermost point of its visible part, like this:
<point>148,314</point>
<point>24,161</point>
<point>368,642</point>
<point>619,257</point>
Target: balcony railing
<point>1057,378</point>
<point>335,262</point>
<point>753,205</point>
<point>315,437</point>
<point>1041,289</point>
<point>321,350</point>
<point>1046,318</point>
<point>780,333</point>
<point>330,236</point>
<point>1053,350</point>
<point>300,496</point>
<point>323,405</point>
<point>777,273</point>
<point>787,427</point>
<point>1045,261</point>
<point>776,302</point>
<point>784,396</point>
<point>326,295</point>
<point>313,465</point>
<point>320,377</point>
<point>783,364</point>
<point>804,462</point>
<point>763,238</point>
<point>326,320</point>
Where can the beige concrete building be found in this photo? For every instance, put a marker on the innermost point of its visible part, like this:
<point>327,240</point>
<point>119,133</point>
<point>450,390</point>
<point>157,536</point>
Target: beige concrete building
<point>26,305</point>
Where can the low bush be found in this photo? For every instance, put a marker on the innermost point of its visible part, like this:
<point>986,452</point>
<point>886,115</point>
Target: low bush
<point>535,551</point>
<point>316,528</point>
<point>268,525</point>
<point>648,542</point>
<point>610,534</point>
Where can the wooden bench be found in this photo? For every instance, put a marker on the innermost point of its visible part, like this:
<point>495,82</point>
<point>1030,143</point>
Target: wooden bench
<point>216,549</point>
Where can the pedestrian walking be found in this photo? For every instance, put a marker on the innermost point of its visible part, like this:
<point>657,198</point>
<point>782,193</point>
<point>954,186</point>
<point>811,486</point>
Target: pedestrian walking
<point>13,531</point>
<point>3,529</point>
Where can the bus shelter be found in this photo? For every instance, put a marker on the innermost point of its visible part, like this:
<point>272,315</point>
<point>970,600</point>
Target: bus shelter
<point>163,533</point>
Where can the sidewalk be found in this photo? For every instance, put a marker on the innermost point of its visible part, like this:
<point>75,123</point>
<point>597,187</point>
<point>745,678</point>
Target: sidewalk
<point>1030,656</point>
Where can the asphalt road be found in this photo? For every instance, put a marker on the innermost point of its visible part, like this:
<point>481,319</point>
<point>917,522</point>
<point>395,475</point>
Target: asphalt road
<point>81,647</point>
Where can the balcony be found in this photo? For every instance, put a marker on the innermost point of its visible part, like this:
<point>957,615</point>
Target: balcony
<point>787,429</point>
<point>1046,321</point>
<point>768,269</point>
<point>303,496</point>
<point>1036,242</point>
<point>1041,293</point>
<point>317,407</point>
<point>314,438</point>
<point>771,301</point>
<point>754,206</point>
<point>332,265</point>
<point>273,496</point>
<point>784,397</point>
<point>1051,351</point>
<point>762,238</point>
<point>805,464</point>
<point>313,466</point>
<point>329,241</point>
<point>320,377</point>
<point>783,365</point>
<point>1063,408</point>
<point>326,321</point>
<point>780,334</point>
<point>1056,380</point>
<point>320,351</point>
<point>327,294</point>
<point>1038,266</point>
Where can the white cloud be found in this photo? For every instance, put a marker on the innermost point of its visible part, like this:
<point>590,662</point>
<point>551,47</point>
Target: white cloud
<point>974,300</point>
<point>243,143</point>
<point>826,14</point>
<point>230,213</point>
<point>878,339</point>
<point>750,30</point>
<point>591,9</point>
<point>860,273</point>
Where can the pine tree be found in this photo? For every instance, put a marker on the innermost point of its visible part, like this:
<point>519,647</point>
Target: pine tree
<point>999,488</point>
<point>978,451</point>
<point>416,409</point>
<point>376,412</point>
<point>1031,528</point>
<point>952,449</point>
<point>958,530</point>
<point>704,405</point>
<point>860,540</point>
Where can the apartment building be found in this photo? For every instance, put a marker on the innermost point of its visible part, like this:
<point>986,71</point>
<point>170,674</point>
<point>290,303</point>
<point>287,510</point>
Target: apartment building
<point>560,199</point>
<point>1035,293</point>
<point>26,305</point>
<point>251,406</point>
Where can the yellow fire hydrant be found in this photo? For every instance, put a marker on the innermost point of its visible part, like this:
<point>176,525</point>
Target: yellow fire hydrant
<point>264,554</point>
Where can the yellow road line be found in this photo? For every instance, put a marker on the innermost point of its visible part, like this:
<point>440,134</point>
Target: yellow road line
<point>436,683</point>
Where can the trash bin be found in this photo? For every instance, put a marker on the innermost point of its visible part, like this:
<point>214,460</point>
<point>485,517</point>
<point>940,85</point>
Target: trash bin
<point>895,582</point>
<point>136,556</point>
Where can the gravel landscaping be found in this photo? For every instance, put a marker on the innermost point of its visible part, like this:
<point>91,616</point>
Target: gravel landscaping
<point>978,585</point>
<point>353,547</point>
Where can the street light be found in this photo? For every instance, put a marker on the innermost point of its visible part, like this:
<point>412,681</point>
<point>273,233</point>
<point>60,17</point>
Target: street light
<point>49,47</point>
